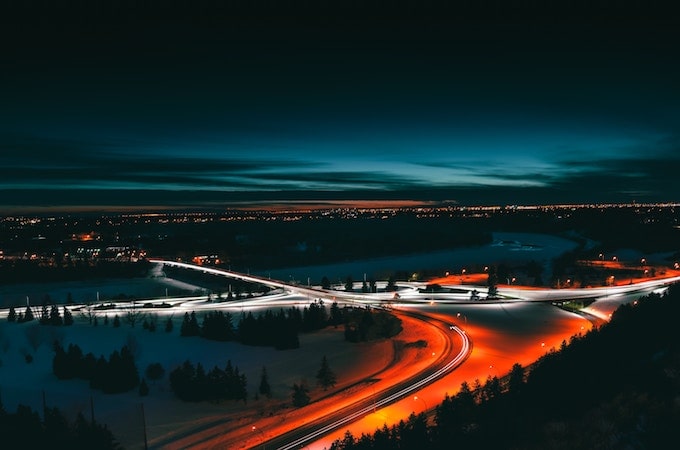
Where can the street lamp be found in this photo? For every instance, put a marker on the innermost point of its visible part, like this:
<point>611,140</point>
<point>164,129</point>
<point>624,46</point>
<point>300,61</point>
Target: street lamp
<point>494,369</point>
<point>425,404</point>
<point>464,316</point>
<point>254,428</point>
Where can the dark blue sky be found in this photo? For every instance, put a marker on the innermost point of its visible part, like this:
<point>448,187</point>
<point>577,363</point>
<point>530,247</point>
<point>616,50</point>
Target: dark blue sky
<point>232,105</point>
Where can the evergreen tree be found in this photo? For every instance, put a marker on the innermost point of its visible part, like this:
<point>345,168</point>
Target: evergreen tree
<point>44,315</point>
<point>491,282</point>
<point>373,286</point>
<point>516,379</point>
<point>217,326</point>
<point>129,376</point>
<point>336,315</point>
<point>190,325</point>
<point>391,284</point>
<point>300,395</point>
<point>55,317</point>
<point>93,435</point>
<point>193,322</point>
<point>349,284</point>
<point>265,389</point>
<point>68,317</point>
<point>325,376</point>
<point>116,321</point>
<point>325,283</point>
<point>169,325</point>
<point>181,379</point>
<point>28,315</point>
<point>99,373</point>
<point>184,328</point>
<point>12,315</point>
<point>59,362</point>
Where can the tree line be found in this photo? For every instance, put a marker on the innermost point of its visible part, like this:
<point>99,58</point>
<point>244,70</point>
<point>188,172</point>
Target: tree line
<point>53,431</point>
<point>366,324</point>
<point>51,317</point>
<point>114,375</point>
<point>281,329</point>
<point>193,384</point>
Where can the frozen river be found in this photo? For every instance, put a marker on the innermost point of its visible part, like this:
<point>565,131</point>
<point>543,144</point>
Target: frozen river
<point>506,247</point>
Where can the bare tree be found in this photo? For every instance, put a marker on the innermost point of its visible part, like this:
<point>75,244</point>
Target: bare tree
<point>133,315</point>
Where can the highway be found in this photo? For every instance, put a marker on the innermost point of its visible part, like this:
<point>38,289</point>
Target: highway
<point>448,361</point>
<point>436,309</point>
<point>412,291</point>
<point>343,407</point>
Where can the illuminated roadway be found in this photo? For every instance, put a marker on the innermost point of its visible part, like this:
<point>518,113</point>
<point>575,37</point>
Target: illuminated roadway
<point>446,362</point>
<point>451,357</point>
<point>409,293</point>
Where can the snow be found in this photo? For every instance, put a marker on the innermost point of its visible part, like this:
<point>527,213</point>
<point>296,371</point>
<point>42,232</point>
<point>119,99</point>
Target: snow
<point>30,383</point>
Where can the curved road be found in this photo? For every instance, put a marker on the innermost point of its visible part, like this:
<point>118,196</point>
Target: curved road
<point>457,348</point>
<point>448,361</point>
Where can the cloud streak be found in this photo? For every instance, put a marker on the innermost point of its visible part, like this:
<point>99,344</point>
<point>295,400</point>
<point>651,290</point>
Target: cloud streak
<point>55,171</point>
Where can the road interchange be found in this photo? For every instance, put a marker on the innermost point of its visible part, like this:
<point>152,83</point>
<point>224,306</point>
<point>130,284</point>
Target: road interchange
<point>410,295</point>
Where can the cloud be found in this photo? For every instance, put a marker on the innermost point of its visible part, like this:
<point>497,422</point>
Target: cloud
<point>53,172</point>
<point>30,161</point>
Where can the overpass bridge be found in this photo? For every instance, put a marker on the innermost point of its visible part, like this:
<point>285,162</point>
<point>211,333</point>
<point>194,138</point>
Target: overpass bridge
<point>326,294</point>
<point>506,293</point>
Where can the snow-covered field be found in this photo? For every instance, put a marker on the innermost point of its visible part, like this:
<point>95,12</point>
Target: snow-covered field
<point>31,383</point>
<point>155,285</point>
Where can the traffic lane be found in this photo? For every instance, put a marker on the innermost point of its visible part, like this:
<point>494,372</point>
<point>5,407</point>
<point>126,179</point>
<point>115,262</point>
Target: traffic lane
<point>501,334</point>
<point>452,353</point>
<point>240,435</point>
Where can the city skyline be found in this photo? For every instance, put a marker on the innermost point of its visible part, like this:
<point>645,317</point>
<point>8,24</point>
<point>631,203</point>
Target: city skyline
<point>114,109</point>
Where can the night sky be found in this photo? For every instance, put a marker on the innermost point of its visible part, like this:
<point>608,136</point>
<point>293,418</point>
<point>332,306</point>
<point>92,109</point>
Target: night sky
<point>113,105</point>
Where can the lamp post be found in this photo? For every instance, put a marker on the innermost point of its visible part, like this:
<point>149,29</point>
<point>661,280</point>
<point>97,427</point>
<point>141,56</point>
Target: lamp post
<point>254,428</point>
<point>464,316</point>
<point>422,400</point>
<point>492,370</point>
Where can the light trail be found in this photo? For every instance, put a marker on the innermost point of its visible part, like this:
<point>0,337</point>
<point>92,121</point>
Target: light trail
<point>411,295</point>
<point>451,365</point>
